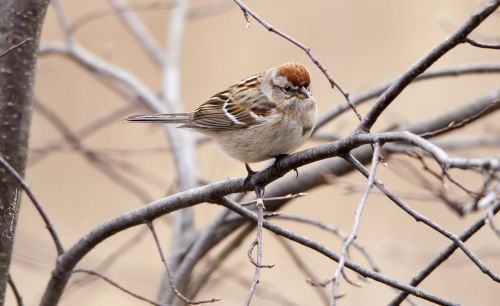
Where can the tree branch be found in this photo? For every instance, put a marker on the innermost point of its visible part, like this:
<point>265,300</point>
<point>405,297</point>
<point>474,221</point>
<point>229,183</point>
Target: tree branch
<point>420,66</point>
<point>20,27</point>
<point>48,224</point>
<point>355,227</point>
<point>247,11</point>
<point>443,256</point>
<point>376,91</point>
<point>328,253</point>
<point>214,191</point>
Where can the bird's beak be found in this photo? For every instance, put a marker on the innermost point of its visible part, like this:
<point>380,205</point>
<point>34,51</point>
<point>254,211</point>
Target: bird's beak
<point>303,93</point>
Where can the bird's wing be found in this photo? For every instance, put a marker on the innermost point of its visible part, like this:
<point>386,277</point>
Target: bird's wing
<point>241,106</point>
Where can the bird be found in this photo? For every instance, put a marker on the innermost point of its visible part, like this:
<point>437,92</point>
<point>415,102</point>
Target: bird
<point>265,116</point>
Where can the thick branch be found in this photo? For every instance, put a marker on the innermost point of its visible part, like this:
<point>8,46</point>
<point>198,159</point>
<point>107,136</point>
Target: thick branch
<point>376,91</point>
<point>215,191</point>
<point>20,21</point>
<point>328,253</point>
<point>416,69</point>
<point>224,225</point>
<point>443,256</point>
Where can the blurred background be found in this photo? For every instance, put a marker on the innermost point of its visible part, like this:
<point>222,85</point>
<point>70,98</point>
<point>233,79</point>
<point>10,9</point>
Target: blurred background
<point>361,43</point>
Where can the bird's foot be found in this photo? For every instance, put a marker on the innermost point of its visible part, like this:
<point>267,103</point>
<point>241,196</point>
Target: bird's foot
<point>280,157</point>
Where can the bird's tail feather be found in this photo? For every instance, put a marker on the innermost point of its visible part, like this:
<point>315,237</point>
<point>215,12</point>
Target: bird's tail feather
<point>161,118</point>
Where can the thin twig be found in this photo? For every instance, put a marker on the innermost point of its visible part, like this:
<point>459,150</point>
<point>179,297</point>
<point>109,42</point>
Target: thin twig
<point>286,197</point>
<point>109,260</point>
<point>332,229</point>
<point>64,23</point>
<point>482,45</point>
<point>443,256</point>
<point>94,159</point>
<point>97,123</point>
<point>14,46</point>
<point>139,31</point>
<point>438,190</point>
<point>300,263</point>
<point>421,218</point>
<point>100,67</point>
<point>171,277</point>
<point>330,254</point>
<point>351,187</point>
<point>4,164</point>
<point>231,275</point>
<point>118,286</point>
<point>420,66</point>
<point>259,192</point>
<point>15,290</point>
<point>491,222</point>
<point>457,125</point>
<point>194,12</point>
<point>376,91</point>
<point>181,141</point>
<point>213,191</point>
<point>247,11</point>
<point>355,227</point>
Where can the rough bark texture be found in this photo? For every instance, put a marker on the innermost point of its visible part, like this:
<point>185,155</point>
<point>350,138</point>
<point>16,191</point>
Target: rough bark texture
<point>19,20</point>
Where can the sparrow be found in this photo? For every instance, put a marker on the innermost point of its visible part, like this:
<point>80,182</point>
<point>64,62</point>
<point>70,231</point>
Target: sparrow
<point>264,116</point>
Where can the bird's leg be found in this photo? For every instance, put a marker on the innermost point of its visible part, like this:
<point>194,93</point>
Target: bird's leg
<point>281,156</point>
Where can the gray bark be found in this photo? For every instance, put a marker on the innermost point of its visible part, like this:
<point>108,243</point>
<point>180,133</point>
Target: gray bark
<point>19,20</point>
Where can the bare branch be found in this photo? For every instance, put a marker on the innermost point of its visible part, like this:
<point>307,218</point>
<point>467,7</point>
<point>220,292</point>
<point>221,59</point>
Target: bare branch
<point>313,177</point>
<point>421,218</point>
<point>117,74</point>
<point>88,129</point>
<point>259,192</point>
<point>247,11</point>
<point>355,227</point>
<point>265,200</point>
<point>116,285</point>
<point>416,69</point>
<point>214,191</point>
<point>327,252</point>
<point>310,277</point>
<point>492,224</point>
<point>171,276</point>
<point>64,23</point>
<point>482,45</point>
<point>427,75</point>
<point>456,125</point>
<point>15,290</point>
<point>333,230</point>
<point>108,261</point>
<point>194,12</point>
<point>443,256</point>
<point>181,141</point>
<point>139,31</point>
<point>92,157</point>
<point>48,224</point>
<point>216,261</point>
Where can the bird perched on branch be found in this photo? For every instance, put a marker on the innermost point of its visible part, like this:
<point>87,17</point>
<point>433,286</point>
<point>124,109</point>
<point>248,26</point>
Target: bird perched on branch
<point>264,116</point>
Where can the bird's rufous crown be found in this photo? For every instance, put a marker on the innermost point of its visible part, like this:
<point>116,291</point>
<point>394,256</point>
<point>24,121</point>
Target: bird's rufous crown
<point>296,73</point>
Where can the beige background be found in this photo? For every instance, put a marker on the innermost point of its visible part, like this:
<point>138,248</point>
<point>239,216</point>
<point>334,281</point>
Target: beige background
<point>361,43</point>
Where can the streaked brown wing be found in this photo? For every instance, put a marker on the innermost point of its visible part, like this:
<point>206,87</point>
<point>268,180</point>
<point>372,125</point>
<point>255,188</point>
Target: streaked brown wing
<point>211,115</point>
<point>241,106</point>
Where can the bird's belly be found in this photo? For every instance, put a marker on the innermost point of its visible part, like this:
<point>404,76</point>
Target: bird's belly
<point>263,142</point>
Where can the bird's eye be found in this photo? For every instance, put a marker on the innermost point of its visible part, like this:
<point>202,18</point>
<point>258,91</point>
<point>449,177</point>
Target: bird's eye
<point>287,89</point>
